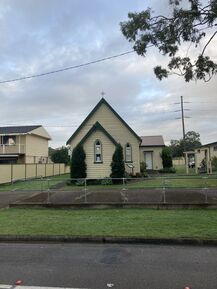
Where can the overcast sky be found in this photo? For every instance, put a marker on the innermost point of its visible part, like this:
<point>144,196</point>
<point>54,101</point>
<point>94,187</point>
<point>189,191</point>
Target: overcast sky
<point>38,36</point>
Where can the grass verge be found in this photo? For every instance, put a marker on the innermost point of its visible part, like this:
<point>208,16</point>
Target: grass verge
<point>125,222</point>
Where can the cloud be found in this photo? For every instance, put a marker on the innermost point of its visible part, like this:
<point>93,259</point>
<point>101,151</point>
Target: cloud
<point>40,36</point>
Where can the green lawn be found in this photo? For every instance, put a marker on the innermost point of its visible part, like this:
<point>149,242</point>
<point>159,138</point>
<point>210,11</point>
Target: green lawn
<point>175,182</point>
<point>34,184</point>
<point>171,181</point>
<point>159,182</point>
<point>110,222</point>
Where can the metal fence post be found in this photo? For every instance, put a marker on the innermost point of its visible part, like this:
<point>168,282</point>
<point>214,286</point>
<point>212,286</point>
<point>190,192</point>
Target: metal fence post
<point>85,190</point>
<point>48,191</point>
<point>164,191</point>
<point>41,184</point>
<point>205,189</point>
<point>123,184</point>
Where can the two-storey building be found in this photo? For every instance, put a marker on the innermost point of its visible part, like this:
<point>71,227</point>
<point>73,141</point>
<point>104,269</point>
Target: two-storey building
<point>24,144</point>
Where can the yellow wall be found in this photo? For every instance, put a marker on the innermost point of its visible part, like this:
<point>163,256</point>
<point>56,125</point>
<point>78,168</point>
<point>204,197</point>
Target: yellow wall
<point>201,153</point>
<point>36,146</point>
<point>18,172</point>
<point>49,170</point>
<point>11,172</point>
<point>213,153</point>
<point>99,170</point>
<point>179,161</point>
<point>41,170</point>
<point>116,129</point>
<point>5,173</point>
<point>156,153</point>
<point>30,171</point>
<point>62,169</point>
<point>40,131</point>
<point>56,169</point>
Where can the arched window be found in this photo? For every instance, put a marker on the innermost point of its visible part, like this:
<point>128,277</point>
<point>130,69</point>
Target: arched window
<point>128,152</point>
<point>98,151</point>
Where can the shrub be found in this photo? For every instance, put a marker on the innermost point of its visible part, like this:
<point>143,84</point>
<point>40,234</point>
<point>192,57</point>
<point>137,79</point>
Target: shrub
<point>106,181</point>
<point>78,165</point>
<point>167,171</point>
<point>117,164</point>
<point>214,163</point>
<point>143,167</point>
<point>80,183</point>
<point>167,157</point>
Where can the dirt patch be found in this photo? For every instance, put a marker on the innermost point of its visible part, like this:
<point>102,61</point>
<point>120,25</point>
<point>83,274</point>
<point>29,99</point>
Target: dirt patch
<point>180,196</point>
<point>66,197</point>
<point>144,196</point>
<point>39,198</point>
<point>105,197</point>
<point>154,196</point>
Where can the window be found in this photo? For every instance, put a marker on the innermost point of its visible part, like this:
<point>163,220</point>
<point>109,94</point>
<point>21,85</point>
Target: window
<point>128,152</point>
<point>98,151</point>
<point>215,148</point>
<point>9,140</point>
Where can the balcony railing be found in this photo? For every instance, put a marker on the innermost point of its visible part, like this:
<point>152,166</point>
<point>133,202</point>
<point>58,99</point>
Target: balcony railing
<point>12,149</point>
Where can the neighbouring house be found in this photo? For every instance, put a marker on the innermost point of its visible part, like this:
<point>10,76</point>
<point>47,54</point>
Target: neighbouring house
<point>201,158</point>
<point>150,151</point>
<point>24,144</point>
<point>100,133</point>
<point>206,153</point>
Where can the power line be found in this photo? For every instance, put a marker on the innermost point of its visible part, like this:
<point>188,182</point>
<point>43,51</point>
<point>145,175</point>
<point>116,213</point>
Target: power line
<point>75,66</point>
<point>67,68</point>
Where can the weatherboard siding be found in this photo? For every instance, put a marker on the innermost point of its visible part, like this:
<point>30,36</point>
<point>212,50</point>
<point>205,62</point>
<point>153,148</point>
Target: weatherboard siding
<point>41,132</point>
<point>112,124</point>
<point>36,146</point>
<point>156,153</point>
<point>99,170</point>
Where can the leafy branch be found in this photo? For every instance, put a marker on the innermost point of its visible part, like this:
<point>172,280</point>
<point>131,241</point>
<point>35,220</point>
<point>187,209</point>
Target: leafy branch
<point>168,33</point>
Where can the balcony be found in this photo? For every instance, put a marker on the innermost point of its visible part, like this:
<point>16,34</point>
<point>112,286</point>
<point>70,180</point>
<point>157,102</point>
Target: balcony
<point>12,149</point>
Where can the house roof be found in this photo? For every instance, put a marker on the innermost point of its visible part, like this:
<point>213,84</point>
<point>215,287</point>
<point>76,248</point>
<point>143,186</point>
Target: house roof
<point>209,144</point>
<point>152,141</point>
<point>98,126</point>
<point>102,101</point>
<point>17,129</point>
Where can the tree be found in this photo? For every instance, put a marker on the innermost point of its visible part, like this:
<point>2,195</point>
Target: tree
<point>190,143</point>
<point>166,158</point>
<point>214,163</point>
<point>186,24</point>
<point>117,164</point>
<point>60,155</point>
<point>78,164</point>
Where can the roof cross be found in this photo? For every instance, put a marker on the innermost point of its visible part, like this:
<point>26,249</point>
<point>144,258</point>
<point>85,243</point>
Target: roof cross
<point>102,93</point>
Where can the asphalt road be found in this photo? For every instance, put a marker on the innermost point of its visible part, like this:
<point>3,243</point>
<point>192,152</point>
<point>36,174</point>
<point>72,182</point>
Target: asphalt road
<point>109,266</point>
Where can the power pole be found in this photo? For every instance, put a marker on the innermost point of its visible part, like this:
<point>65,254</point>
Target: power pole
<point>182,102</point>
<point>183,118</point>
<point>182,110</point>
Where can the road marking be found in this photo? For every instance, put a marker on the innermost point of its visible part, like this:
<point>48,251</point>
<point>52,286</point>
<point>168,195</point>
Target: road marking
<point>3,286</point>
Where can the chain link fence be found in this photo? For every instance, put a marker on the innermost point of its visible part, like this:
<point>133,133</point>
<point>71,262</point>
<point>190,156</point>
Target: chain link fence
<point>152,190</point>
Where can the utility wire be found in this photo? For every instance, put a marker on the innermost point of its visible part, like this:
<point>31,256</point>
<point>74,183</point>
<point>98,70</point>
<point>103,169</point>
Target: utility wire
<point>75,66</point>
<point>67,68</point>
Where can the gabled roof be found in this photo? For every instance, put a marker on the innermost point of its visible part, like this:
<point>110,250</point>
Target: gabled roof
<point>17,129</point>
<point>209,144</point>
<point>98,126</point>
<point>102,101</point>
<point>152,141</point>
